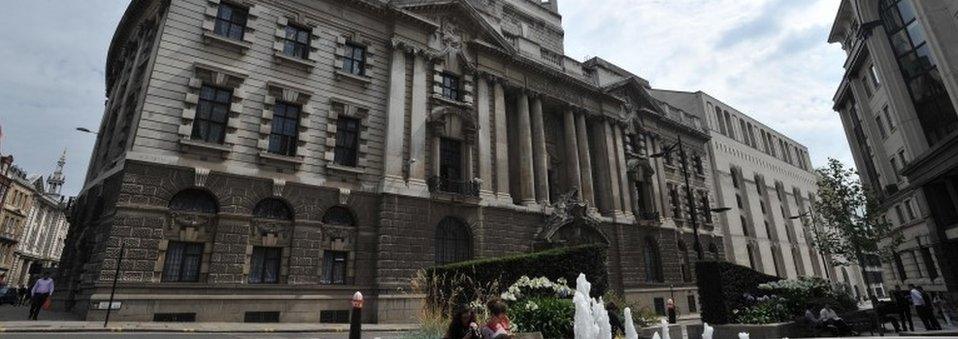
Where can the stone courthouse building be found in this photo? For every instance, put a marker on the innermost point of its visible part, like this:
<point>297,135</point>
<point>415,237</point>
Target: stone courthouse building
<point>262,160</point>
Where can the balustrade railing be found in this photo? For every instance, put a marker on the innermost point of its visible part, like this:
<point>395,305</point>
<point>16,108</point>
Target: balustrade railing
<point>469,188</point>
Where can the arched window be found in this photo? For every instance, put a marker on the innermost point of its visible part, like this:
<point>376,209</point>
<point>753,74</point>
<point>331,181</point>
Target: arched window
<point>453,242</point>
<point>272,208</point>
<point>339,215</point>
<point>195,201</point>
<point>684,264</point>
<point>653,261</point>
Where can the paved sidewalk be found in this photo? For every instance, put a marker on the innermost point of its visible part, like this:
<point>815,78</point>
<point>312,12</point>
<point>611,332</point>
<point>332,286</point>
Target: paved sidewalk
<point>91,326</point>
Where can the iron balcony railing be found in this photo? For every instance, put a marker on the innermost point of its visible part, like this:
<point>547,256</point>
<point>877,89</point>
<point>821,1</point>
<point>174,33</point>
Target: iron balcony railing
<point>469,188</point>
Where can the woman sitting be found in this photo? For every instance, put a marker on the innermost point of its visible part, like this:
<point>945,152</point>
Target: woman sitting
<point>463,325</point>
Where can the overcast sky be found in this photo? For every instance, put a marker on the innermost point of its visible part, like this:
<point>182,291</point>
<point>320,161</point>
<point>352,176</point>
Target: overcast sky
<point>767,58</point>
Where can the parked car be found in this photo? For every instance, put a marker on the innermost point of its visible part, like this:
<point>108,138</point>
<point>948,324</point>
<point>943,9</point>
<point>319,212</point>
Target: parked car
<point>8,295</point>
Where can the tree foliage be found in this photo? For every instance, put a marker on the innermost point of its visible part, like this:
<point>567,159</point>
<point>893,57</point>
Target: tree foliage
<point>846,218</point>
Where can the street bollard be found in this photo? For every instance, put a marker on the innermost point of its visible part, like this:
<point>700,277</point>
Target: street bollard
<point>356,320</point>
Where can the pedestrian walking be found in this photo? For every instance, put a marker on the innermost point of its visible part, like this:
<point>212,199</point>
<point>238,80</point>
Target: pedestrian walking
<point>929,310</point>
<point>39,293</point>
<point>23,294</point>
<point>903,305</point>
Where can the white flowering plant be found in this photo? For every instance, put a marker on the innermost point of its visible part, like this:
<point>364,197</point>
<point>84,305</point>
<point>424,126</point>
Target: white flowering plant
<point>527,287</point>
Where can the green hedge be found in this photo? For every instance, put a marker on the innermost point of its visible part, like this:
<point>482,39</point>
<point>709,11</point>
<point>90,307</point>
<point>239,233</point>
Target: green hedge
<point>722,286</point>
<point>468,281</point>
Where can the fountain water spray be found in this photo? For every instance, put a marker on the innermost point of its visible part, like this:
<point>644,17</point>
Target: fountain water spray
<point>665,329</point>
<point>630,332</point>
<point>591,318</point>
<point>707,331</point>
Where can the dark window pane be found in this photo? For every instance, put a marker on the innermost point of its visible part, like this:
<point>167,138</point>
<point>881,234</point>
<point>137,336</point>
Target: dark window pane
<point>453,242</point>
<point>347,141</point>
<point>230,21</point>
<point>296,42</point>
<point>212,112</point>
<point>338,215</point>
<point>354,59</point>
<point>193,200</point>
<point>272,208</point>
<point>899,41</point>
<point>334,267</point>
<point>450,159</point>
<point>450,86</point>
<point>284,135</point>
<point>182,262</point>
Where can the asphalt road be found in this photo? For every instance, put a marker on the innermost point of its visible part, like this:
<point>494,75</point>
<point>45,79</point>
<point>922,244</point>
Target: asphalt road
<point>147,335</point>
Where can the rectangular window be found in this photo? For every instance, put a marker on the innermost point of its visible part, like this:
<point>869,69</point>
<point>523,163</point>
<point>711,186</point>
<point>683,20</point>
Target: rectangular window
<point>901,216</point>
<point>285,133</point>
<point>347,141</point>
<point>354,60</point>
<point>212,111</point>
<point>676,205</point>
<point>182,262</point>
<point>706,208</point>
<point>881,127</point>
<point>873,76</point>
<point>296,42</point>
<point>929,263</point>
<point>891,122</point>
<point>908,210</point>
<point>264,265</point>
<point>734,178</point>
<point>692,306</point>
<point>894,167</point>
<point>450,86</point>
<point>901,157</point>
<point>450,159</point>
<point>334,268</point>
<point>697,162</point>
<point>231,21</point>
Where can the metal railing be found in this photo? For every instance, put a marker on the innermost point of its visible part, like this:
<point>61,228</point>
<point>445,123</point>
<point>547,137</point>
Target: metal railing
<point>469,188</point>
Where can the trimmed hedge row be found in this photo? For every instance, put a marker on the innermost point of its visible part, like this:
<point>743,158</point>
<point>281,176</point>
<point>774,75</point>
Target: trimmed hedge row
<point>722,286</point>
<point>464,282</point>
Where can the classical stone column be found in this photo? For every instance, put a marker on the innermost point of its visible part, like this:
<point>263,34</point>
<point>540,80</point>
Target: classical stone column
<point>418,126</point>
<point>485,138</point>
<point>613,166</point>
<point>392,158</point>
<point>502,145</point>
<point>624,185</point>
<point>585,161</point>
<point>540,157</point>
<point>527,188</point>
<point>572,151</point>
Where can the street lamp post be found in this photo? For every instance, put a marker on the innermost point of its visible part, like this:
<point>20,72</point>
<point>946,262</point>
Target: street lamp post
<point>815,227</point>
<point>690,197</point>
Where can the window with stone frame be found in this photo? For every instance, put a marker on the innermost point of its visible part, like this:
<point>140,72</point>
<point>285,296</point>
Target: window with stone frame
<point>213,104</point>
<point>230,21</point>
<point>283,129</point>
<point>284,135</point>
<point>182,262</point>
<point>685,263</point>
<point>265,265</point>
<point>334,268</point>
<point>339,223</point>
<point>347,144</point>
<point>450,159</point>
<point>744,225</point>
<point>354,59</point>
<point>674,201</point>
<point>230,24</point>
<point>183,251</point>
<point>453,242</point>
<point>450,86</point>
<point>706,206</point>
<point>296,42</point>
<point>212,113</point>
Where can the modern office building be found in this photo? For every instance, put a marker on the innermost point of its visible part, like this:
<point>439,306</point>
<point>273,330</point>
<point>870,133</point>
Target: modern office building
<point>266,159</point>
<point>768,181</point>
<point>897,102</point>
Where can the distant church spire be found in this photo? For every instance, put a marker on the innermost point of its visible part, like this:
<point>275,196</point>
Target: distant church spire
<point>56,180</point>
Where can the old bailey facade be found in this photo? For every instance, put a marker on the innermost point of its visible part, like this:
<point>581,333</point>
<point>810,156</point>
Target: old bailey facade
<point>269,158</point>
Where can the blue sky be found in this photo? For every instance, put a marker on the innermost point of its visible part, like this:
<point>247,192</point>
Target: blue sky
<point>768,58</point>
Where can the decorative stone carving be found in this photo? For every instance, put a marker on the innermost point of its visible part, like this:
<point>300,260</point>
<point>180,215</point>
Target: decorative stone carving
<point>344,195</point>
<point>570,224</point>
<point>279,185</point>
<point>200,176</point>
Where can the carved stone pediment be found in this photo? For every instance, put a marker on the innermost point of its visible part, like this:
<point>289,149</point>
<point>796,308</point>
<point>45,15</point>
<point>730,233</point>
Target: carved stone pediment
<point>570,224</point>
<point>190,220</point>
<point>270,234</point>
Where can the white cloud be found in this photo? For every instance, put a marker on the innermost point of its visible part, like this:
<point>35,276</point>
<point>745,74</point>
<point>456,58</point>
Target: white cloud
<point>769,59</point>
